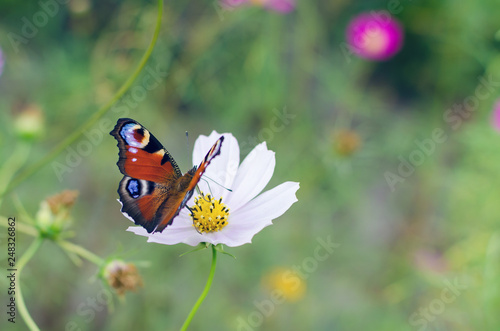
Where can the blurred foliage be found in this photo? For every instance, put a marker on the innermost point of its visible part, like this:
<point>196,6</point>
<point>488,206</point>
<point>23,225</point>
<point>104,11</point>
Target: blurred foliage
<point>236,71</point>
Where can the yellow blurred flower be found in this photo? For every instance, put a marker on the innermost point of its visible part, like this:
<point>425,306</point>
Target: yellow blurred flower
<point>285,282</point>
<point>346,142</point>
<point>79,6</point>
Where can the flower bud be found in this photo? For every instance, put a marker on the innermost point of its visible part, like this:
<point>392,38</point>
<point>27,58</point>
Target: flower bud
<point>29,122</point>
<point>54,213</point>
<point>122,276</point>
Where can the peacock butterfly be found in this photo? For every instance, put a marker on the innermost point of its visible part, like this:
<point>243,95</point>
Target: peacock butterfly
<point>153,190</point>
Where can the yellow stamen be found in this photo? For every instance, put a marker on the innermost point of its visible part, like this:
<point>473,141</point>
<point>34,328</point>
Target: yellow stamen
<point>208,214</point>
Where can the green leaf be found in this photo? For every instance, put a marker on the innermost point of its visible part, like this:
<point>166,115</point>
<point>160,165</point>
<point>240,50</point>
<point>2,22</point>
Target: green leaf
<point>220,248</point>
<point>197,248</point>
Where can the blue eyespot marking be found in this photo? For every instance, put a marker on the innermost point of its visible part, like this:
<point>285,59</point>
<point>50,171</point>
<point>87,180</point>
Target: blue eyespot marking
<point>132,135</point>
<point>134,188</point>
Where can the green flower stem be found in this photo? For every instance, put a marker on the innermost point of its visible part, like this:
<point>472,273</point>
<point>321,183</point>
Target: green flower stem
<point>23,311</point>
<point>23,213</point>
<point>94,118</point>
<point>205,291</point>
<point>79,250</point>
<point>21,227</point>
<point>13,164</point>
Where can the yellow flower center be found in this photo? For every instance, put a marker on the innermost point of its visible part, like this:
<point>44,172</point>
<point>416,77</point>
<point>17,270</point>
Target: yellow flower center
<point>208,214</point>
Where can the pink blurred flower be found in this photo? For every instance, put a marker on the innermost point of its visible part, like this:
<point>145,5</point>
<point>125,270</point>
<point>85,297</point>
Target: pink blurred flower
<point>430,261</point>
<point>375,35</point>
<point>2,61</point>
<point>495,116</point>
<point>280,6</point>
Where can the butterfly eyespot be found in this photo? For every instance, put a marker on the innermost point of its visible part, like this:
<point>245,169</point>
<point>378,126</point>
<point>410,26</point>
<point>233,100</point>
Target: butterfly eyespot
<point>134,188</point>
<point>134,135</point>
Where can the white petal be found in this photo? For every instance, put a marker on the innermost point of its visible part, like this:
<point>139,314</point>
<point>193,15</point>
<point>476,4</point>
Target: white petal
<point>248,220</point>
<point>202,145</point>
<point>252,176</point>
<point>225,236</point>
<point>138,230</point>
<point>234,235</point>
<point>223,168</point>
<point>180,231</point>
<point>268,205</point>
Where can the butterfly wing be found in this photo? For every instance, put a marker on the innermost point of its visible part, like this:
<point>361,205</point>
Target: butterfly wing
<point>141,155</point>
<point>188,183</point>
<point>213,152</point>
<point>141,200</point>
<point>149,174</point>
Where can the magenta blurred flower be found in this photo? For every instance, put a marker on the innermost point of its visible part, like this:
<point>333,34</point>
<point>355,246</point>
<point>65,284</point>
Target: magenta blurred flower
<point>2,61</point>
<point>280,6</point>
<point>495,116</point>
<point>375,35</point>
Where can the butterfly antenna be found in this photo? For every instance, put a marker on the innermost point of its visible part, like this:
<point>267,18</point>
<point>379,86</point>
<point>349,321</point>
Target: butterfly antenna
<point>187,142</point>
<point>209,188</point>
<point>215,183</point>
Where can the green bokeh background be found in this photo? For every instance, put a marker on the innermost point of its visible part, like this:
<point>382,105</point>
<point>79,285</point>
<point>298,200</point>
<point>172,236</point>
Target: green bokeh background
<point>233,71</point>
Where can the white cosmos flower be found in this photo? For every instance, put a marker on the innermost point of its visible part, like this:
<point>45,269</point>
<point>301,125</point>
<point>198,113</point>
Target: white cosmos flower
<point>247,214</point>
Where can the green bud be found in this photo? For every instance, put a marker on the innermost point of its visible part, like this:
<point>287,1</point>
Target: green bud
<point>29,124</point>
